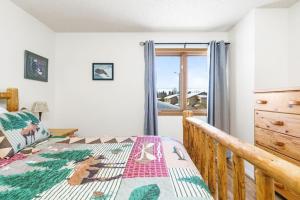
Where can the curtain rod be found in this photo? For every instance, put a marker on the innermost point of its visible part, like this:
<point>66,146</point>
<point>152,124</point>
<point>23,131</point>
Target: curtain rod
<point>181,43</point>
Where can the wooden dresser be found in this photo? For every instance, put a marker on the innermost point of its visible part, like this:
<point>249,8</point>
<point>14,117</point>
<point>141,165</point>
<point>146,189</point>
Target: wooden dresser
<point>277,127</point>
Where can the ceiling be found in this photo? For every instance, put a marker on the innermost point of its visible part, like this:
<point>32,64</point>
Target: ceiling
<point>139,15</point>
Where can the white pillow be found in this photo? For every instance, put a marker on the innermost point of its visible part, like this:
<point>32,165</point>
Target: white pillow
<point>3,110</point>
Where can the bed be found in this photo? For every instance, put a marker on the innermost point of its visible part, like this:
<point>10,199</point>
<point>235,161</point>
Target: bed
<point>138,168</point>
<point>135,168</point>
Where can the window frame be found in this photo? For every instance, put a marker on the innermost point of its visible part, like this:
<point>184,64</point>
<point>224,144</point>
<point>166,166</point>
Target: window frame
<point>183,78</point>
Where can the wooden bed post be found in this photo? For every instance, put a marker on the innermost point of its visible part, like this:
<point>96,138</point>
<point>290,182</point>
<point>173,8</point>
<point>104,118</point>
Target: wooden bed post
<point>191,142</point>
<point>199,148</point>
<point>204,164</point>
<point>222,172</point>
<point>239,192</point>
<point>186,114</point>
<point>12,98</point>
<point>264,186</point>
<point>211,162</point>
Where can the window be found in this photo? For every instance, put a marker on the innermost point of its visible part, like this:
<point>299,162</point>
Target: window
<point>182,80</point>
<point>168,83</point>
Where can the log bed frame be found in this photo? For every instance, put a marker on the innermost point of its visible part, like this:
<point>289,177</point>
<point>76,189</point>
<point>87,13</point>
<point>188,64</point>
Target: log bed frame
<point>207,148</point>
<point>12,98</point>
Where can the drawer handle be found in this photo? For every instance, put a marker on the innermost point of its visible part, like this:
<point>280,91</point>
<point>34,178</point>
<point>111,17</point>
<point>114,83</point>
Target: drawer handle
<point>261,102</point>
<point>280,144</point>
<point>277,123</point>
<point>294,103</point>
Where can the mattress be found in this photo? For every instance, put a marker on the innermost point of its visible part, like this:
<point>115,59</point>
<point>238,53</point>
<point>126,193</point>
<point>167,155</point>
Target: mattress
<point>134,168</point>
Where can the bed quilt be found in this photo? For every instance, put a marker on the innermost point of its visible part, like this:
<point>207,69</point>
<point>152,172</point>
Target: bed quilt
<point>134,168</point>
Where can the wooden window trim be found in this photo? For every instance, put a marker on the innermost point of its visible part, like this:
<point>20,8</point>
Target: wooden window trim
<point>183,78</point>
<point>180,51</point>
<point>180,113</point>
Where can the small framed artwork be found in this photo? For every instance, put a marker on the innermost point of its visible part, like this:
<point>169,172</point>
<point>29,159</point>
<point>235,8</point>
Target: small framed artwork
<point>36,67</point>
<point>103,71</point>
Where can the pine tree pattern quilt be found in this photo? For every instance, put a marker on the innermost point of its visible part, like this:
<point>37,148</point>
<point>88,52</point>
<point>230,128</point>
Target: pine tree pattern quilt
<point>134,168</point>
<point>19,130</point>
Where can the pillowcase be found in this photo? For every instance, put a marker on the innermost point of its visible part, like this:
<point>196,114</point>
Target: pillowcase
<point>3,110</point>
<point>19,130</point>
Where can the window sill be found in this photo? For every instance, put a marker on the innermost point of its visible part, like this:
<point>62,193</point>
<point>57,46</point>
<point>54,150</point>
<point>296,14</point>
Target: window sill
<point>179,113</point>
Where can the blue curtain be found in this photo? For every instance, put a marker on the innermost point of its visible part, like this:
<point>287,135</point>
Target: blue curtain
<point>218,94</point>
<point>150,123</point>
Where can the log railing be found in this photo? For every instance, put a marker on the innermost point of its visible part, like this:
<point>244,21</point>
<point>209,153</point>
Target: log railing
<point>207,148</point>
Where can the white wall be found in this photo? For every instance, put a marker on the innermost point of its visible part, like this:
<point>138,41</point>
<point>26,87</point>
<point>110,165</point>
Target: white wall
<point>109,107</point>
<point>294,44</point>
<point>95,107</point>
<point>277,38</point>
<point>242,64</point>
<point>260,56</point>
<point>271,48</point>
<point>263,55</point>
<point>19,32</point>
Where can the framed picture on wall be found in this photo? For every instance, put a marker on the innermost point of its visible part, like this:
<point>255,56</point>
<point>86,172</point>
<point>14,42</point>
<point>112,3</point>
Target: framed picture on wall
<point>35,67</point>
<point>103,71</point>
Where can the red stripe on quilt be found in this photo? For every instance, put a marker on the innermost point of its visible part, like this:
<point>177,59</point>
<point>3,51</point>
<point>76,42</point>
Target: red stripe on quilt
<point>146,159</point>
<point>18,156</point>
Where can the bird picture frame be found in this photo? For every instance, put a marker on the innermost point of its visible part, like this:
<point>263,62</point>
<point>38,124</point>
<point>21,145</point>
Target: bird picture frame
<point>103,71</point>
<point>35,67</point>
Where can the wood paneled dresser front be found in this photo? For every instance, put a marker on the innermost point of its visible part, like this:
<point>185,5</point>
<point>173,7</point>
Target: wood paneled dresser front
<point>277,127</point>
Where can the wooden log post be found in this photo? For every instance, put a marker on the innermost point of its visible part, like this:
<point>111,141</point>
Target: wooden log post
<point>281,170</point>
<point>238,178</point>
<point>199,148</point>
<point>195,144</point>
<point>186,114</point>
<point>204,162</point>
<point>13,100</point>
<point>194,139</point>
<point>191,142</point>
<point>222,172</point>
<point>264,186</point>
<point>211,166</point>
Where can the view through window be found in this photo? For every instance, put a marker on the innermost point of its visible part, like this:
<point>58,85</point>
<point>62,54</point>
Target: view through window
<point>168,83</point>
<point>182,81</point>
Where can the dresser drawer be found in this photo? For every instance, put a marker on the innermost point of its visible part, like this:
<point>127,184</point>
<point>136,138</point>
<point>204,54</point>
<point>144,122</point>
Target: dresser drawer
<point>284,157</point>
<point>287,102</point>
<point>284,144</point>
<point>284,123</point>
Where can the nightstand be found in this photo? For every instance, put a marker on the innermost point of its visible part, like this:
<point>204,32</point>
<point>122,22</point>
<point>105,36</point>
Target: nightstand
<point>63,131</point>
